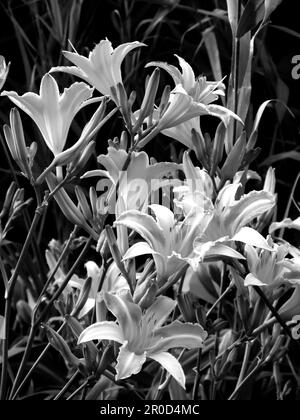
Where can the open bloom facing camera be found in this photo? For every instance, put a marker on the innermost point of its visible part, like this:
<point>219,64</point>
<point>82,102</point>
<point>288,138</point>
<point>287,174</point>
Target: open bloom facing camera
<point>142,335</point>
<point>102,69</point>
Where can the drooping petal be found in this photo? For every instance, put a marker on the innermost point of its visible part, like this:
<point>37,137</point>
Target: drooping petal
<point>250,236</point>
<point>285,224</point>
<point>128,314</point>
<point>172,366</point>
<point>120,53</point>
<point>105,330</point>
<point>251,280</point>
<point>172,70</point>
<point>128,363</point>
<point>178,334</point>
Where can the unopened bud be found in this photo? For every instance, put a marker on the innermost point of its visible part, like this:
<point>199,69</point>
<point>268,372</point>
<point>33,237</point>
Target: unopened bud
<point>83,203</point>
<point>149,297</point>
<point>234,159</point>
<point>61,346</point>
<point>83,297</point>
<point>24,311</point>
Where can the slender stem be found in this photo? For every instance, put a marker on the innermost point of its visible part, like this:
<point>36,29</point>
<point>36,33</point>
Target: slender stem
<point>245,363</point>
<point>251,374</point>
<point>197,377</point>
<point>24,359</point>
<point>287,210</point>
<point>43,313</point>
<point>274,312</point>
<point>223,295</point>
<point>82,386</point>
<point>29,373</point>
<point>67,386</point>
<point>66,280</point>
<point>8,298</point>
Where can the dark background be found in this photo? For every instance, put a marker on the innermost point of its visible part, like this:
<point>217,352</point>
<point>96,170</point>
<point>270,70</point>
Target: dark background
<point>179,32</point>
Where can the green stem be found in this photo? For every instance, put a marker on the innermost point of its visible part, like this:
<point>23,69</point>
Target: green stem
<point>8,298</point>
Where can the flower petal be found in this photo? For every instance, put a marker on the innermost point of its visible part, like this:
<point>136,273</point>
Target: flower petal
<point>172,366</point>
<point>188,75</point>
<point>178,334</point>
<point>251,280</point>
<point>128,314</point>
<point>145,226</point>
<point>250,236</point>
<point>128,363</point>
<point>285,224</point>
<point>105,330</point>
<point>159,311</point>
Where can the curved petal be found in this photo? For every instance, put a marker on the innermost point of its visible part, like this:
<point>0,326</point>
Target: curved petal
<point>251,280</point>
<point>188,75</point>
<point>250,236</point>
<point>128,314</point>
<point>169,68</point>
<point>249,207</point>
<point>119,54</point>
<point>178,334</point>
<point>128,363</point>
<point>159,311</point>
<point>145,226</point>
<point>105,330</point>
<point>164,217</point>
<point>172,366</point>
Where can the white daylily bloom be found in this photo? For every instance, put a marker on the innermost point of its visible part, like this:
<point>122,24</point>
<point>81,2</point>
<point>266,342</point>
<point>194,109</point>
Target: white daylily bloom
<point>102,69</point>
<point>267,268</point>
<point>53,112</point>
<point>142,335</point>
<point>191,98</point>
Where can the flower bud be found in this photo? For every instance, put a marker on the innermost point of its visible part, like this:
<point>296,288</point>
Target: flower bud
<point>83,203</point>
<point>8,199</point>
<point>149,297</point>
<point>147,106</point>
<point>61,346</point>
<point>83,296</point>
<point>218,148</point>
<point>200,149</point>
<point>234,159</point>
<point>24,311</point>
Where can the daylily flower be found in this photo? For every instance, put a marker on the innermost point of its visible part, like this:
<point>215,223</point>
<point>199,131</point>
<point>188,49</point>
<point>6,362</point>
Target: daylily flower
<point>102,69</point>
<point>135,185</point>
<point>191,98</point>
<point>267,268</point>
<point>142,335</point>
<point>229,216</point>
<point>170,240</point>
<point>53,112</point>
<point>4,69</point>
